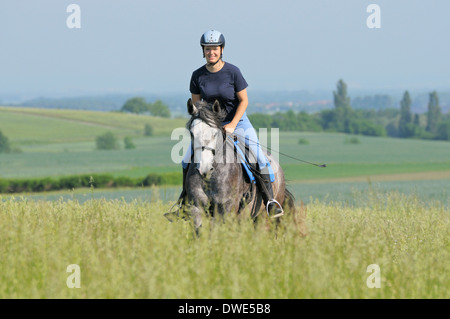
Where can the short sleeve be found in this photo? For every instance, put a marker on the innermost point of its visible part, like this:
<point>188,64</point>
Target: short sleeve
<point>193,86</point>
<point>239,81</point>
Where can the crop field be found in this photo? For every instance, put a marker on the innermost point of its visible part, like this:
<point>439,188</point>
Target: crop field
<point>62,142</point>
<point>31,126</point>
<point>381,201</point>
<point>129,250</point>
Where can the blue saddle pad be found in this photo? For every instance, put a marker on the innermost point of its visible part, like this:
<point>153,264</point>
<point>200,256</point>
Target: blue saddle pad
<point>247,165</point>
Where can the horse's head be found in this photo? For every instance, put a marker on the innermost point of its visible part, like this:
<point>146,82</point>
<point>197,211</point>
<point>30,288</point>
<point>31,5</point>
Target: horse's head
<point>206,131</point>
<point>193,109</point>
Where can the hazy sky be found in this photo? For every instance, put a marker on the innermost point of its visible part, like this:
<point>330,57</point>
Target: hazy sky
<point>153,46</point>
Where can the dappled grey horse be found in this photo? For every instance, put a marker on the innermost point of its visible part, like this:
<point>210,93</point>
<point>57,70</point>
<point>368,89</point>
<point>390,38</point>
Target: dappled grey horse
<point>215,182</point>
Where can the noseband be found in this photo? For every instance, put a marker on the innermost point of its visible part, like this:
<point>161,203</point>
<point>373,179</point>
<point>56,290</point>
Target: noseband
<point>213,151</point>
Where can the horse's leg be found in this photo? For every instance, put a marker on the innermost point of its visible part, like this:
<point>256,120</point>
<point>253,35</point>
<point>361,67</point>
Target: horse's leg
<point>198,208</point>
<point>196,214</point>
<point>197,198</point>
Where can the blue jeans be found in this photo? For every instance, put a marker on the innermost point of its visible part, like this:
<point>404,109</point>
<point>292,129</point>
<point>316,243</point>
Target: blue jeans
<point>245,132</point>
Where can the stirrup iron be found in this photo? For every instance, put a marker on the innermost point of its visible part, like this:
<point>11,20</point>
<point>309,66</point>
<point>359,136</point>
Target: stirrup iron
<point>173,213</point>
<point>279,205</point>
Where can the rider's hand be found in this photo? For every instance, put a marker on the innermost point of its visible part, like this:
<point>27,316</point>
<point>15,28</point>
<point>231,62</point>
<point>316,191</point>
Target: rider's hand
<point>229,128</point>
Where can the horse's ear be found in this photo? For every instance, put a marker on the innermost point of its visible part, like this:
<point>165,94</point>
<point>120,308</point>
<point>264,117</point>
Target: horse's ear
<point>216,106</point>
<point>191,107</point>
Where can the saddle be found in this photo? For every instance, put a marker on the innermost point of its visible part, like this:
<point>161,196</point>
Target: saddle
<point>262,178</point>
<point>249,166</point>
<point>249,161</point>
<point>253,175</point>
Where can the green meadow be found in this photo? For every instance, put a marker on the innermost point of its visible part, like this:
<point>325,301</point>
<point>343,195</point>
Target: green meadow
<point>62,142</point>
<point>54,143</point>
<point>380,201</point>
<point>48,126</point>
<point>129,250</point>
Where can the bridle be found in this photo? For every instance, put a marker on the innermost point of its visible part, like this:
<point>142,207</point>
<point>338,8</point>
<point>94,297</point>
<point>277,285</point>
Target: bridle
<point>213,150</point>
<point>204,147</point>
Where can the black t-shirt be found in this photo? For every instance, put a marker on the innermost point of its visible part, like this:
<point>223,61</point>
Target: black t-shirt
<point>221,85</point>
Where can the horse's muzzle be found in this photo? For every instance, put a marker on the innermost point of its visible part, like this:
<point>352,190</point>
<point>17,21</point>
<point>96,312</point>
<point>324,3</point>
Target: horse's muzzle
<point>204,173</point>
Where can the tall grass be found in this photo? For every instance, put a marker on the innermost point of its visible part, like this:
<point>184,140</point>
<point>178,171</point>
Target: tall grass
<point>129,250</point>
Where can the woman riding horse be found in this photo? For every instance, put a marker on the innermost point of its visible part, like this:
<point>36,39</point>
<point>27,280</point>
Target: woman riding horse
<point>222,81</point>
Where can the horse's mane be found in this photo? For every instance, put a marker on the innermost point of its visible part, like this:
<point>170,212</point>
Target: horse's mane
<point>205,112</point>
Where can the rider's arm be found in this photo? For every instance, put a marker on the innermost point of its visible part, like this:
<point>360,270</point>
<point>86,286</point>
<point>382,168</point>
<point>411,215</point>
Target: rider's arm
<point>243,103</point>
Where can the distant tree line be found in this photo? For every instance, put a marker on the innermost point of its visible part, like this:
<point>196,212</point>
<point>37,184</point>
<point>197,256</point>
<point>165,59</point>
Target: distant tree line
<point>437,125</point>
<point>9,186</point>
<point>138,105</point>
<point>383,122</point>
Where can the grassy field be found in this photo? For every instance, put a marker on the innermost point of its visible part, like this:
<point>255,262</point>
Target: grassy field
<point>382,201</point>
<point>36,126</point>
<point>61,142</point>
<point>348,193</point>
<point>129,250</point>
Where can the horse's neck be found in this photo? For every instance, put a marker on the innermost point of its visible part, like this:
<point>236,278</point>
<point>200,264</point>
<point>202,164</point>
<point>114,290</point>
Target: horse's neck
<point>229,156</point>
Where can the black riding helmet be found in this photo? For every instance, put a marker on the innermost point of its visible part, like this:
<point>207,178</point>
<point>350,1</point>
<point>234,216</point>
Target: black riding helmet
<point>212,38</point>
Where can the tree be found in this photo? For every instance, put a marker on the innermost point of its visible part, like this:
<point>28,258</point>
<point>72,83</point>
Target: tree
<point>138,105</point>
<point>307,122</point>
<point>405,115</point>
<point>341,99</point>
<point>4,144</point>
<point>107,141</point>
<point>135,105</point>
<point>342,112</point>
<point>260,120</point>
<point>443,131</point>
<point>148,130</point>
<point>158,108</point>
<point>416,119</point>
<point>128,142</point>
<point>434,113</point>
